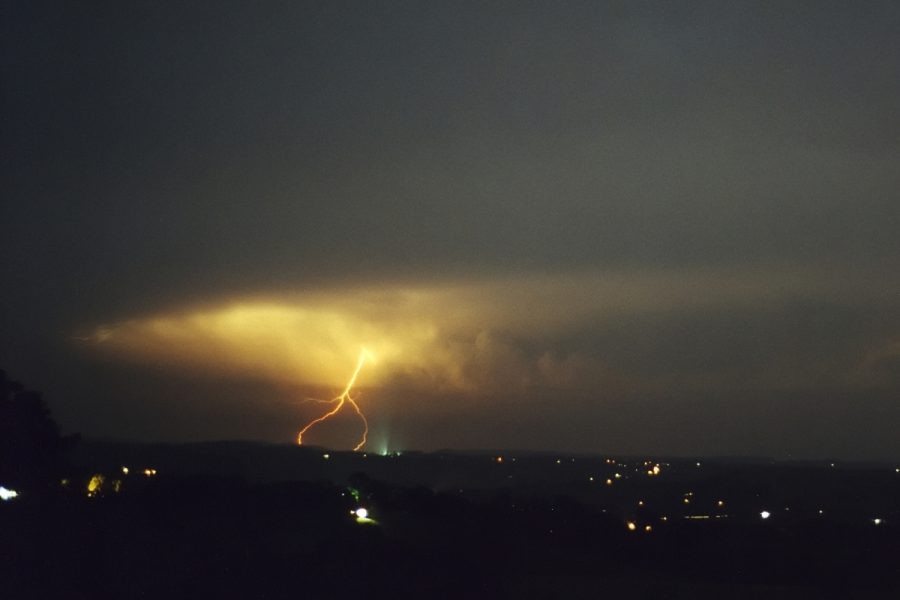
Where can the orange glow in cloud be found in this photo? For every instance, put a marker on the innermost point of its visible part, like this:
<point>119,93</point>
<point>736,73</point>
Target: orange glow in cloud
<point>481,336</point>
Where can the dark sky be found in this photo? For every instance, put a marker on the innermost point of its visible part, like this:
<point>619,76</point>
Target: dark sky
<point>657,227</point>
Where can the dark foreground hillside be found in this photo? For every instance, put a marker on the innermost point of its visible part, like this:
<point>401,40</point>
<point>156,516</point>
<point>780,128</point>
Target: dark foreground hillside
<point>218,537</point>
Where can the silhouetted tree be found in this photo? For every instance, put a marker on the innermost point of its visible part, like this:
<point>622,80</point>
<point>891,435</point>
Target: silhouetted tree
<point>31,447</point>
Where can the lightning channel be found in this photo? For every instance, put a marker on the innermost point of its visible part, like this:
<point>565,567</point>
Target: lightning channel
<point>340,400</point>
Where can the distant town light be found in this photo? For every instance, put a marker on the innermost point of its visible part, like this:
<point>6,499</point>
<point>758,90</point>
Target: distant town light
<point>7,494</point>
<point>95,484</point>
<point>362,513</point>
<point>326,456</point>
<point>720,503</point>
<point>631,525</point>
<point>609,482</point>
<point>618,475</point>
<point>877,521</point>
<point>648,528</point>
<point>125,470</point>
<point>698,463</point>
<point>765,514</point>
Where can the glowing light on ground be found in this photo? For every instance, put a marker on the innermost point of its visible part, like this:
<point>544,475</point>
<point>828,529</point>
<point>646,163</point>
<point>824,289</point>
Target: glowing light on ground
<point>339,401</point>
<point>95,485</point>
<point>362,516</point>
<point>7,494</point>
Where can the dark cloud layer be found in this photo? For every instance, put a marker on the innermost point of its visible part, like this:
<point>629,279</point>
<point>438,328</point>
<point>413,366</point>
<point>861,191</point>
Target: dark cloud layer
<point>157,157</point>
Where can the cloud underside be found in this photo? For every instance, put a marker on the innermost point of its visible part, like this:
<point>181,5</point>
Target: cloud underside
<point>614,334</point>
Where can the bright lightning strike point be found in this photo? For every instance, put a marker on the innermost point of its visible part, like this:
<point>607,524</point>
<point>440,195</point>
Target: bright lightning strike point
<point>339,401</point>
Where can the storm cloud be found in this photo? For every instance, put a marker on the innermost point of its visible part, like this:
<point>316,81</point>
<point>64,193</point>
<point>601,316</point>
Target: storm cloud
<point>651,209</point>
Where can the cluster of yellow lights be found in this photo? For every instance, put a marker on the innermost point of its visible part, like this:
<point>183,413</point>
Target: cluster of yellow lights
<point>97,483</point>
<point>339,402</point>
<point>149,472</point>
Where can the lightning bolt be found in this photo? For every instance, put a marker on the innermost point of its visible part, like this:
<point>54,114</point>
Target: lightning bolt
<point>339,402</point>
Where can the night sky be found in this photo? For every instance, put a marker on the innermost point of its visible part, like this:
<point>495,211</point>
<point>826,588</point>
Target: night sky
<point>631,227</point>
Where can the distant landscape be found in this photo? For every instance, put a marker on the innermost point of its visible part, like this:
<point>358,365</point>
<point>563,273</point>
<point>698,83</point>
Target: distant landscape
<point>274,521</point>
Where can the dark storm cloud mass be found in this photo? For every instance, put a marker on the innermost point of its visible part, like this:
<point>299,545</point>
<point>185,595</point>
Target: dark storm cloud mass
<point>156,157</point>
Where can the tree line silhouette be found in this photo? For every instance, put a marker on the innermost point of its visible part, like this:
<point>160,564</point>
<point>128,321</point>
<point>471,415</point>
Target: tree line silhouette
<point>32,449</point>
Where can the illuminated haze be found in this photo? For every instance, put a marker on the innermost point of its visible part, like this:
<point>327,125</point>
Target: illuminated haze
<point>625,227</point>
